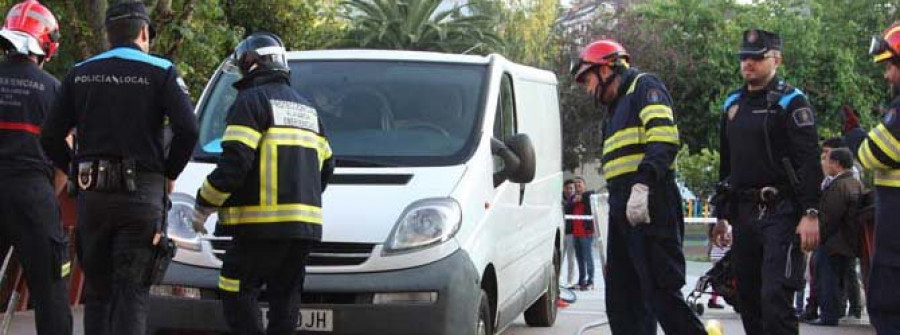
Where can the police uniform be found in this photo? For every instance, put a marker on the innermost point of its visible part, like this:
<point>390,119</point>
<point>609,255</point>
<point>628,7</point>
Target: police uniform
<point>761,130</point>
<point>274,167</point>
<point>31,221</point>
<point>117,102</point>
<point>646,266</point>
<point>880,151</point>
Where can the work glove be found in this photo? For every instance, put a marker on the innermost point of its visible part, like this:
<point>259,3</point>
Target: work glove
<point>201,213</point>
<point>850,118</point>
<point>638,210</point>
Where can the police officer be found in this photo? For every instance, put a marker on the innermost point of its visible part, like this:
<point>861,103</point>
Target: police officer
<point>880,151</point>
<point>31,223</point>
<point>770,157</point>
<point>117,101</point>
<point>273,216</point>
<point>646,267</point>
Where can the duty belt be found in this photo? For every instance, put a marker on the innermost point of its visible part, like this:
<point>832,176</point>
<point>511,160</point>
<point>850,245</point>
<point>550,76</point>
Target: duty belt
<point>766,194</point>
<point>107,175</point>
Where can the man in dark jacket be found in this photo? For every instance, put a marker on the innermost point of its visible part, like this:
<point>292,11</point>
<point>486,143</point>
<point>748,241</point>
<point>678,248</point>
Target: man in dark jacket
<point>839,233</point>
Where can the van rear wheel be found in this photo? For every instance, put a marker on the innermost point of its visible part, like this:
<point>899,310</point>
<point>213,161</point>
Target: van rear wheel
<point>485,323</point>
<point>543,312</point>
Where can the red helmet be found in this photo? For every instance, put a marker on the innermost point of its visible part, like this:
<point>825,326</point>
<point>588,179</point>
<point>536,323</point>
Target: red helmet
<point>598,53</point>
<point>887,45</point>
<point>31,19</point>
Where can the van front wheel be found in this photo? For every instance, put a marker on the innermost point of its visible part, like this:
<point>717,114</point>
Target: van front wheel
<point>543,312</point>
<point>485,323</point>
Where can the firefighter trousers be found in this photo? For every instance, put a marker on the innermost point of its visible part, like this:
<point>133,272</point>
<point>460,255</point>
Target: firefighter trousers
<point>279,264</point>
<point>646,267</point>
<point>31,223</point>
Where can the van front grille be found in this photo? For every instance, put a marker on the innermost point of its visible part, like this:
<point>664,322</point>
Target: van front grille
<point>321,254</point>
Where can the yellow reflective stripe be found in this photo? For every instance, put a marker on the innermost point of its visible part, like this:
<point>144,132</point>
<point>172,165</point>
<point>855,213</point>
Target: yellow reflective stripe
<point>883,56</point>
<point>622,165</point>
<point>270,214</point>
<point>667,134</point>
<point>300,137</point>
<point>656,111</point>
<point>243,134</point>
<point>886,142</point>
<point>229,285</point>
<point>268,178</point>
<point>634,83</point>
<point>624,137</point>
<point>212,194</point>
<point>867,158</point>
<point>65,269</point>
<point>889,178</point>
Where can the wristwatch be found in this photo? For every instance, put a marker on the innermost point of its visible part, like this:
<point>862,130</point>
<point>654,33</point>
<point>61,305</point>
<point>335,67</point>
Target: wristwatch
<point>812,213</point>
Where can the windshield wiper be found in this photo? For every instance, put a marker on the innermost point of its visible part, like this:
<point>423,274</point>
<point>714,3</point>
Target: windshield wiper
<point>362,162</point>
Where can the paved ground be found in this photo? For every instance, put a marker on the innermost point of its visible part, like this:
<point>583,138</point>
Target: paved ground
<point>589,308</point>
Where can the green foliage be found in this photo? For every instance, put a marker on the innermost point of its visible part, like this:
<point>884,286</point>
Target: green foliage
<point>699,172</point>
<point>418,25</point>
<point>302,24</point>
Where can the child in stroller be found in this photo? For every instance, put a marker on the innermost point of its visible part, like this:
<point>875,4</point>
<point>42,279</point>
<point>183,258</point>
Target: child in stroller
<point>721,279</point>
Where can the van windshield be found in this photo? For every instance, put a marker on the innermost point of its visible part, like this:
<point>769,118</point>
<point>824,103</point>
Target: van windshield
<point>375,113</point>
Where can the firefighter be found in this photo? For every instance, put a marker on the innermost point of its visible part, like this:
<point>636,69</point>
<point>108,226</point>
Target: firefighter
<point>273,217</point>
<point>31,222</point>
<point>117,101</point>
<point>646,266</point>
<point>770,158</point>
<point>880,151</point>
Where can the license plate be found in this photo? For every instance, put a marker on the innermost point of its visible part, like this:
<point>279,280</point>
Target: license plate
<point>319,320</point>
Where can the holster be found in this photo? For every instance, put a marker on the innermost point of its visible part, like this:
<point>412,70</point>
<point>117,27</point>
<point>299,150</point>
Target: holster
<point>107,175</point>
<point>164,251</point>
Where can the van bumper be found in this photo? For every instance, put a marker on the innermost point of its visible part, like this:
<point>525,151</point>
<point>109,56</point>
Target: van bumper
<point>348,295</point>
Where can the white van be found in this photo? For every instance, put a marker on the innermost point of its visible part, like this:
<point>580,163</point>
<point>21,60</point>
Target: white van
<point>443,215</point>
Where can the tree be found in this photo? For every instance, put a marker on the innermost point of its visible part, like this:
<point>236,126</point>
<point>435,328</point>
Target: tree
<point>418,25</point>
<point>302,24</point>
<point>699,172</point>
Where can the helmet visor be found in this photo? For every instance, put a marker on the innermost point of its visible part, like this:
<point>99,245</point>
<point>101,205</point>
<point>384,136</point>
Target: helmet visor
<point>880,50</point>
<point>579,68</point>
<point>231,66</point>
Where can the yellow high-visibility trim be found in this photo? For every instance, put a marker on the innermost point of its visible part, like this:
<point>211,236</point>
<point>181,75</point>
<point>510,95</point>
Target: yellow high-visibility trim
<point>886,142</point>
<point>624,137</point>
<point>888,178</point>
<point>622,165</point>
<point>634,83</point>
<point>65,269</point>
<point>212,194</point>
<point>246,135</point>
<point>867,158</point>
<point>656,111</point>
<point>229,285</point>
<point>270,214</point>
<point>883,56</point>
<point>667,134</point>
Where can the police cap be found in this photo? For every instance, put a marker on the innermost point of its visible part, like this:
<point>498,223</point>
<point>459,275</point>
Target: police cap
<point>130,10</point>
<point>757,42</point>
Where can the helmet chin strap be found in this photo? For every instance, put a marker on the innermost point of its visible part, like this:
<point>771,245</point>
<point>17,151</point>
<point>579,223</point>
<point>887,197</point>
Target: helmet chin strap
<point>602,86</point>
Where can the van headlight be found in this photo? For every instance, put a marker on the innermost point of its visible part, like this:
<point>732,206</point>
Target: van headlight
<point>180,226</point>
<point>424,223</point>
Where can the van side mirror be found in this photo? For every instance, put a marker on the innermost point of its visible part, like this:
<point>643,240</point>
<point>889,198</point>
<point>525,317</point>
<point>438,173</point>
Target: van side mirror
<point>516,159</point>
<point>521,145</point>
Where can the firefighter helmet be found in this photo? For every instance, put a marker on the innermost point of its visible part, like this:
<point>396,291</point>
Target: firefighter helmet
<point>602,52</point>
<point>886,46</point>
<point>260,51</point>
<point>30,28</point>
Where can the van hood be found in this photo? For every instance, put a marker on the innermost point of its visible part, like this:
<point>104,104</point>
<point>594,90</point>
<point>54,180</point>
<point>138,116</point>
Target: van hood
<point>360,205</point>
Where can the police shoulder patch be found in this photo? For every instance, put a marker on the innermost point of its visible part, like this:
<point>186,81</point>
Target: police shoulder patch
<point>183,86</point>
<point>803,117</point>
<point>890,116</point>
<point>654,96</point>
<point>293,114</point>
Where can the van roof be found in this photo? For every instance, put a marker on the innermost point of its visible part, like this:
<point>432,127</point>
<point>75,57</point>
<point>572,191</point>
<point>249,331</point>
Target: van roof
<point>360,54</point>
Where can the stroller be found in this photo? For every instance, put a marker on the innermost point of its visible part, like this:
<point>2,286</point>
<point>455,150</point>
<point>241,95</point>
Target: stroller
<point>722,279</point>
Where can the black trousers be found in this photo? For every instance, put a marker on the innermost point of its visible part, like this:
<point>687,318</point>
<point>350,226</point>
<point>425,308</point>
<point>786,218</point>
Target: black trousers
<point>32,225</point>
<point>116,243</point>
<point>769,266</point>
<point>279,264</point>
<point>646,267</point>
